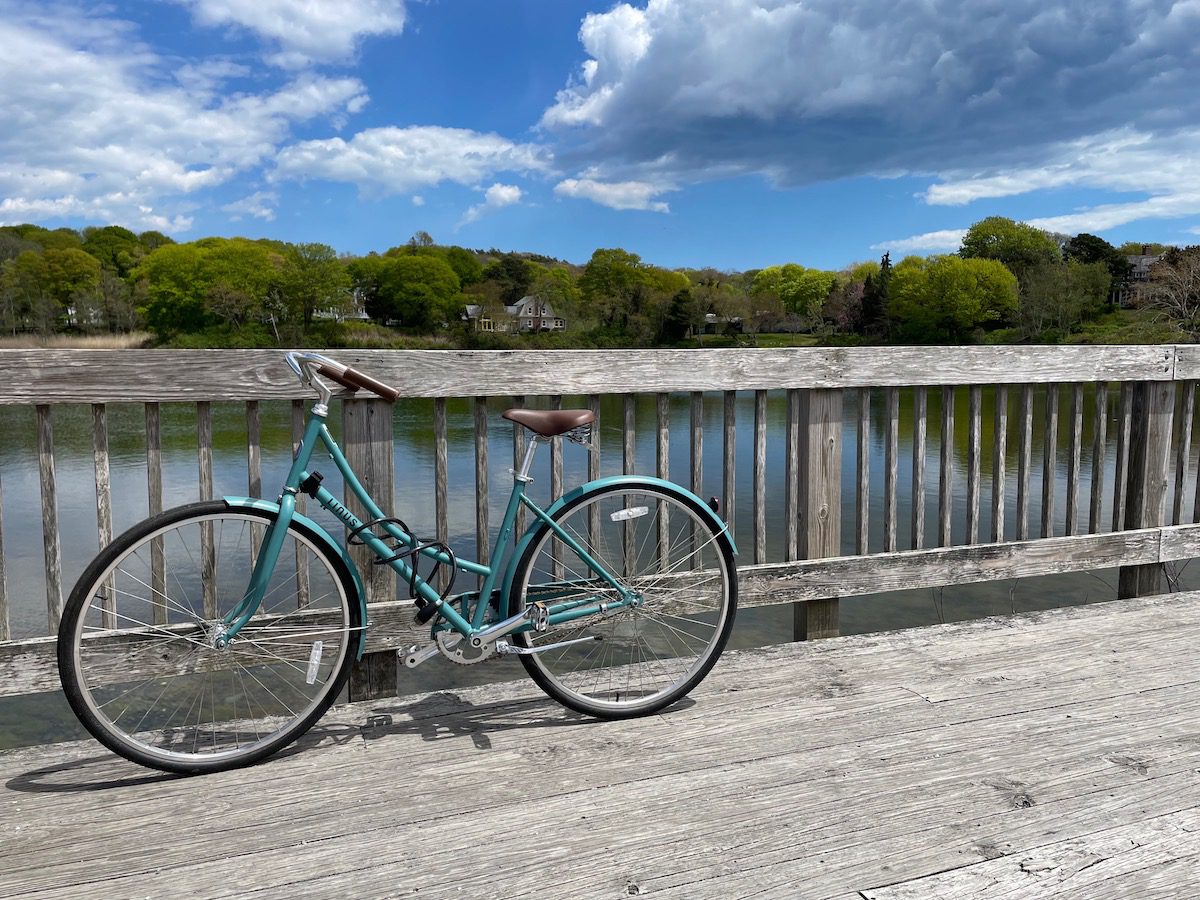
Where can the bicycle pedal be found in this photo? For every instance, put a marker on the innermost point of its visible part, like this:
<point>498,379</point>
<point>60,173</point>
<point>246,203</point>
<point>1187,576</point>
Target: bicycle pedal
<point>539,616</point>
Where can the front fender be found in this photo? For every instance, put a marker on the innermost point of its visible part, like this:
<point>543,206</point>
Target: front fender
<point>668,487</point>
<point>323,536</point>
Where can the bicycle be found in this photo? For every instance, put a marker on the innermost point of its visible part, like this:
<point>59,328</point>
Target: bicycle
<point>212,635</point>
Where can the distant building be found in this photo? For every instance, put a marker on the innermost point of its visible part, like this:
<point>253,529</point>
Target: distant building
<point>529,314</point>
<point>1126,294</point>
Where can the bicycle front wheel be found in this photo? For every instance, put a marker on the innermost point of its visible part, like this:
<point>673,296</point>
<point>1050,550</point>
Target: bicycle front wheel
<point>628,660</point>
<point>142,652</point>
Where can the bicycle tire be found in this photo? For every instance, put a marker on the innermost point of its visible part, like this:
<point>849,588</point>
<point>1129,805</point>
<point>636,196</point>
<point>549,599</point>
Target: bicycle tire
<point>136,650</point>
<point>647,656</point>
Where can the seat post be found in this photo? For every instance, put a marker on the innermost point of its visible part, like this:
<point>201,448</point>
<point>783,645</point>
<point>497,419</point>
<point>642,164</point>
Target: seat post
<point>527,463</point>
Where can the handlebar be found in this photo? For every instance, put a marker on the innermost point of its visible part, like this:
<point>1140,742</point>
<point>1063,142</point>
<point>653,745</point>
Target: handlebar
<point>306,365</point>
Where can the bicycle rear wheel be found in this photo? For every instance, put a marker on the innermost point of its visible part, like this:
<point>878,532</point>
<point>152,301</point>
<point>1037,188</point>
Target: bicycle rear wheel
<point>139,644</point>
<point>637,659</point>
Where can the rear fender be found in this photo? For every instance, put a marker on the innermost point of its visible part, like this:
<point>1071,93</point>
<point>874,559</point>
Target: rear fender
<point>668,487</point>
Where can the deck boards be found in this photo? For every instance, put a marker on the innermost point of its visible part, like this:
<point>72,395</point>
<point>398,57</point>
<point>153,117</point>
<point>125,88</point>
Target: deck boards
<point>1048,754</point>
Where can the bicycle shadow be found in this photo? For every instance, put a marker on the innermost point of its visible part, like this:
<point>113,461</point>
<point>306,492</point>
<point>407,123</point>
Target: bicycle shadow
<point>446,716</point>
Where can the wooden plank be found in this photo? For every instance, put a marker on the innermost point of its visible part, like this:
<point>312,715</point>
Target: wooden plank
<point>663,468</point>
<point>829,722</point>
<point>30,666</point>
<point>518,445</point>
<point>729,463</point>
<point>97,376</point>
<point>862,497</point>
<point>1121,473</point>
<point>441,488</point>
<point>483,549</point>
<point>1153,405</point>
<point>629,435</point>
<point>819,481</point>
<point>594,467</point>
<point>104,525</point>
<point>5,626</point>
<point>368,447</point>
<point>1074,452</point>
<point>1049,460</point>
<point>891,453</point>
<point>49,492</point>
<point>760,476</point>
<point>791,478</point>
<point>154,502</point>
<point>1183,445</point>
<point>1144,859</point>
<point>302,578</point>
<point>946,470</point>
<point>1099,452</point>
<point>974,450</point>
<point>999,453</point>
<point>253,449</point>
<point>920,431</point>
<point>696,422</point>
<point>204,458</point>
<point>1024,459</point>
<point>556,456</point>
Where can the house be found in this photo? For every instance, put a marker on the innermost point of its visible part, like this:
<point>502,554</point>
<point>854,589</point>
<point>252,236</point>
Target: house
<point>529,314</point>
<point>1126,294</point>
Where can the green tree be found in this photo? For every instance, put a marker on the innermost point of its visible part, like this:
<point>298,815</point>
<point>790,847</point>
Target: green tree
<point>1017,245</point>
<point>1057,297</point>
<point>312,278</point>
<point>1136,248</point>
<point>876,290</point>
<point>420,292</point>
<point>946,298</point>
<point>512,274</point>
<point>1088,248</point>
<point>117,249</point>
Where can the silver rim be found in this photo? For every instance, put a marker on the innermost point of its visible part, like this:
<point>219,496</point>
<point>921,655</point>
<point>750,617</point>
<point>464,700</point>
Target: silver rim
<point>671,557</point>
<point>145,642</point>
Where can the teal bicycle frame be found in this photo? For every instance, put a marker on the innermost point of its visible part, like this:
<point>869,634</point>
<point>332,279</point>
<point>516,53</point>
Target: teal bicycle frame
<point>470,617</point>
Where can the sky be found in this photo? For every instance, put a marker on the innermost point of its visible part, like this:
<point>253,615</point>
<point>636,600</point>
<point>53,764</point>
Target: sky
<point>726,133</point>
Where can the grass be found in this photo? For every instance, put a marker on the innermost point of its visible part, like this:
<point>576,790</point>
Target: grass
<point>75,341</point>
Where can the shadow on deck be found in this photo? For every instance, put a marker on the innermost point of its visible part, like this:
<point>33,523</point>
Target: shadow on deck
<point>1055,754</point>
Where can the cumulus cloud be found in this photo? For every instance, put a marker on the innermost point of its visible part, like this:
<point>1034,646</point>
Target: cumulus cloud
<point>260,205</point>
<point>809,91</point>
<point>495,197</point>
<point>305,32</point>
<point>944,241</point>
<point>398,160</point>
<point>126,139</point>
<point>616,194</point>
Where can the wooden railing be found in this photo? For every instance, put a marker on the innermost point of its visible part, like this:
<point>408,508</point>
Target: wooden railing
<point>1132,389</point>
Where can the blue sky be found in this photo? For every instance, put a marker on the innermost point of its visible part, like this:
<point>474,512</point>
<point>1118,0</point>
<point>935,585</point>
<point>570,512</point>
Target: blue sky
<point>731,133</point>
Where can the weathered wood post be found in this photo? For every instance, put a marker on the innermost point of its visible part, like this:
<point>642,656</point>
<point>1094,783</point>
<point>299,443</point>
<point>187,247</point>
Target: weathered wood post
<point>1152,404</point>
<point>819,483</point>
<point>367,442</point>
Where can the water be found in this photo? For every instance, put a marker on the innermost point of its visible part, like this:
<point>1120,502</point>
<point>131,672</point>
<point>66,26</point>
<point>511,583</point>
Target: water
<point>25,719</point>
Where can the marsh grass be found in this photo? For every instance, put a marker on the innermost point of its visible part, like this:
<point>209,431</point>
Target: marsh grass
<point>75,341</point>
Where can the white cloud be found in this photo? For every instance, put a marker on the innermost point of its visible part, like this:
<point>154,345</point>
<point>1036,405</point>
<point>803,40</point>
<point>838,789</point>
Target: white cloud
<point>616,194</point>
<point>398,160</point>
<point>418,200</point>
<point>260,205</point>
<point>1002,97</point>
<point>304,31</point>
<point>495,197</point>
<point>930,242</point>
<point>126,140</point>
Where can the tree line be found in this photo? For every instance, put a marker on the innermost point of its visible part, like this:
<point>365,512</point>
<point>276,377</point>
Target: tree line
<point>1008,281</point>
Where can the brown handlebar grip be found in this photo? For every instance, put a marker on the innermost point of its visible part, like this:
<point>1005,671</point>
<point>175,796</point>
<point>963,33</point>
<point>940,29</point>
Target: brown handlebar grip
<point>355,378</point>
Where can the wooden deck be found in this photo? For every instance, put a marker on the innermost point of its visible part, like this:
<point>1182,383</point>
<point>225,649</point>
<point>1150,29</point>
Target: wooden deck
<point>1055,754</point>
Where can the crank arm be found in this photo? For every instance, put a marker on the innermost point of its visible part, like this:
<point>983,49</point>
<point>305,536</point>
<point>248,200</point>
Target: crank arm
<point>414,656</point>
<point>504,647</point>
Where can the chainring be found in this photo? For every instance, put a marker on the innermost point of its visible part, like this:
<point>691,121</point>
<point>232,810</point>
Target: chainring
<point>448,642</point>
